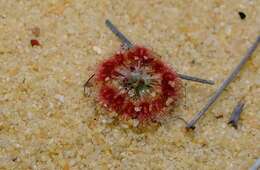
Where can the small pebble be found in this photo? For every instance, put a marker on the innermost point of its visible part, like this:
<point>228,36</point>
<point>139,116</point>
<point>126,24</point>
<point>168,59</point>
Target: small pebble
<point>218,116</point>
<point>14,159</point>
<point>97,50</point>
<point>35,42</point>
<point>242,15</point>
<point>60,98</point>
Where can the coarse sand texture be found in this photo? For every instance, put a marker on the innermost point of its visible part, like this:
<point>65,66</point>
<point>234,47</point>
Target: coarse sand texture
<point>48,49</point>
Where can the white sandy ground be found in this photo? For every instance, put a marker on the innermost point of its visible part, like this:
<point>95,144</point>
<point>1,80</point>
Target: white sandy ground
<point>47,123</point>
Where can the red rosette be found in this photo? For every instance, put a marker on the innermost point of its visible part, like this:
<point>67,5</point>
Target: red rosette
<point>137,84</point>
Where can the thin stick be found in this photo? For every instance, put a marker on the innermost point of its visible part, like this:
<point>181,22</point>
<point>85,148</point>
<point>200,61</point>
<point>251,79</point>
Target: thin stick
<point>129,45</point>
<point>196,79</point>
<point>225,83</point>
<point>120,35</point>
<point>87,82</point>
<point>256,165</point>
<point>180,118</point>
<point>236,114</point>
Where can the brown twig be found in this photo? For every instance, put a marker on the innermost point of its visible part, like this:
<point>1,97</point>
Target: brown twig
<point>87,82</point>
